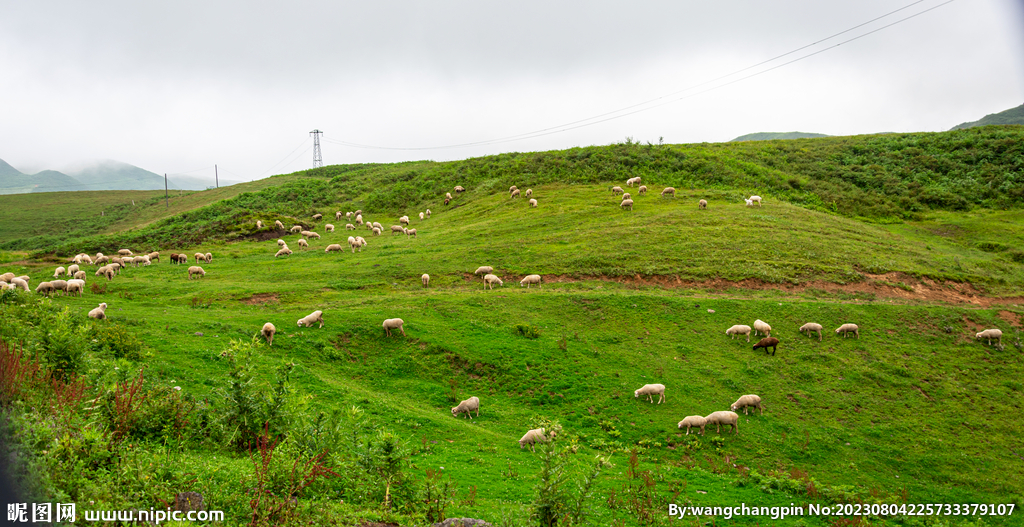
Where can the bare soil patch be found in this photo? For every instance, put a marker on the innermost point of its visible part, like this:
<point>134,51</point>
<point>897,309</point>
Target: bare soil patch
<point>262,298</point>
<point>1011,318</point>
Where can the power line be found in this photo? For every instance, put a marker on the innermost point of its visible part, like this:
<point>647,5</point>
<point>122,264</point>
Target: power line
<point>608,116</point>
<point>279,162</point>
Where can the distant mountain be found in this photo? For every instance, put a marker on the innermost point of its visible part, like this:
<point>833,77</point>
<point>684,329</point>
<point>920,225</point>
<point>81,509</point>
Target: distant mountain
<point>115,175</point>
<point>13,181</point>
<point>767,136</point>
<point>1011,116</point>
<point>53,181</point>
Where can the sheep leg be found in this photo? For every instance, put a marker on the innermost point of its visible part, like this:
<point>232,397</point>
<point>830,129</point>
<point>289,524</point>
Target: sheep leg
<point>403,330</point>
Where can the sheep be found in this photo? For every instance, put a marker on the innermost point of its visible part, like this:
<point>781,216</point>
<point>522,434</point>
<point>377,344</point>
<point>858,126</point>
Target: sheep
<point>467,407</point>
<point>99,312</point>
<point>72,269</point>
<point>512,188</point>
<point>848,328</point>
<point>87,259</point>
<point>515,194</point>
<point>404,220</point>
<point>393,323</point>
<point>105,259</point>
<point>421,216</point>
<point>141,260</point>
<point>308,320</point>
<point>757,199</point>
<point>80,275</point>
<point>333,247</point>
<point>259,224</point>
<point>489,280</point>
<point>446,201</point>
<point>410,232</point>
<point>617,190</point>
<point>350,227</point>
<point>626,195</point>
<point>195,269</point>
<point>109,273</point>
<point>377,225</point>
<point>376,231</point>
<point>19,283</point>
<point>353,244</point>
<point>57,273</point>
<point>397,229</point>
<point>459,189</point>
<point>359,219</point>
<point>6,277</point>
<point>448,195</point>
<point>59,285</point>
<point>484,269</point>
<point>338,215</point>
<point>208,257</point>
<point>763,327</point>
<point>278,224</point>
<point>127,260</point>
<point>748,202</point>
<point>329,227</point>
<point>199,256</point>
<point>642,190</point>
<point>124,252</point>
<point>295,229</point>
<point>425,278</point>
<point>427,213</point>
<point>533,203</point>
<point>747,401</point>
<point>693,421</point>
<point>369,226</point>
<point>528,193</point>
<point>44,288</point>
<point>357,212</point>
<point>668,191</point>
<point>75,286</point>
<point>153,256</point>
<point>318,217</point>
<point>529,280</point>
<point>739,329</point>
<point>632,180</point>
<point>627,204</point>
<point>702,204</point>
<point>724,417</point>
<point>990,334</point>
<point>309,234</point>
<point>537,435</point>
<point>303,243</point>
<point>649,390</point>
<point>362,242</point>
<point>285,251</point>
<point>811,327</point>
<point>281,243</point>
<point>183,258</point>
<point>767,342</point>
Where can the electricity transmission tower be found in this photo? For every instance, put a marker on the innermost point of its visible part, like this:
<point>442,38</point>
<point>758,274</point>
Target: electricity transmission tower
<point>318,160</point>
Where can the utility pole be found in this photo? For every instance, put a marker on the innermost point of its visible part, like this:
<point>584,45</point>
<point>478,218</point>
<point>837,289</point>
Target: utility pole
<point>167,199</point>
<point>318,160</point>
<point>216,177</point>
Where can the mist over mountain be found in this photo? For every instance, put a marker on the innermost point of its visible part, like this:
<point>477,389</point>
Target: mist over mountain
<point>99,175</point>
<point>767,136</point>
<point>1011,116</point>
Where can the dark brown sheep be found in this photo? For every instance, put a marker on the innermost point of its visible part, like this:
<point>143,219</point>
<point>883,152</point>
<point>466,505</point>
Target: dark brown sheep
<point>767,342</point>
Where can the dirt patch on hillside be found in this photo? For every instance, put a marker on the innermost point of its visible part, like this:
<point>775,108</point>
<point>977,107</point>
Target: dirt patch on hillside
<point>1011,318</point>
<point>262,298</point>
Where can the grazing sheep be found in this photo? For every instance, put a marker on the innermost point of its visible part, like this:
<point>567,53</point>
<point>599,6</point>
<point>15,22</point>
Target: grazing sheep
<point>990,334</point>
<point>425,278</point>
<point>358,212</point>
<point>80,275</point>
<point>528,193</point>
<point>627,204</point>
<point>421,216</point>
<point>72,269</point>
<point>633,181</point>
<point>329,227</point>
<point>459,189</point>
<point>19,283</point>
<point>811,327</point>
<point>747,401</point>
<point>127,260</point>
<point>410,232</point>
<point>309,234</point>
<point>153,256</point>
<point>529,280</point>
<point>362,242</point>
<point>376,231</point>
<point>848,328</point>
<point>359,219</point>
<point>332,247</point>
<point>195,269</point>
<point>649,390</point>
<point>278,224</point>
<point>767,342</point>
<point>404,220</point>
<point>515,194</point>
<point>428,213</point>
<point>350,227</point>
<point>281,243</point>
<point>57,273</point>
<point>259,224</point>
<point>393,323</point>
<point>724,417</point>
<point>749,203</point>
<point>318,217</point>
<point>142,260</point>
<point>6,277</point>
<point>99,312</point>
<point>757,199</point>
<point>338,215</point>
<point>103,260</point>
<point>86,259</point>
<point>446,201</point>
<point>739,329</point>
<point>512,188</point>
<point>295,229</point>
<point>308,320</point>
<point>285,251</point>
<point>533,203</point>
<point>642,190</point>
<point>379,226</point>
<point>397,229</point>
<point>691,421</point>
<point>702,204</point>
<point>268,333</point>
<point>617,190</point>
<point>490,279</point>
<point>198,257</point>
<point>75,286</point>
<point>303,243</point>
<point>59,285</point>
<point>669,191</point>
<point>354,244</point>
<point>626,195</point>
<point>762,327</point>
<point>537,435</point>
<point>467,407</point>
<point>484,269</point>
<point>124,252</point>
<point>448,195</point>
<point>208,257</point>
<point>44,288</point>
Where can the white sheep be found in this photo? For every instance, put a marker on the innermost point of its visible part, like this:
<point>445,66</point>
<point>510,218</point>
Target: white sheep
<point>318,217</point>
<point>627,204</point>
<point>421,216</point>
<point>281,243</point>
<point>528,193</point>
<point>747,401</point>
<point>484,269</point>
<point>650,390</point>
<point>537,435</point>
<point>702,204</point>
<point>447,195</point>
<point>75,286</point>
<point>353,244</point>
<point>410,232</point>
<point>642,190</point>
<point>425,278</point>
<point>739,329</point>
<point>459,189</point>
<point>990,334</point>
<point>490,279</point>
<point>693,421</point>
<point>332,247</point>
<point>846,329</point>
<point>329,227</point>
<point>626,195</point>
<point>338,215</point>
<point>427,212</point>
<point>377,225</point>
<point>124,252</point>
<point>811,327</point>
<point>259,224</point>
<point>515,194</point>
<point>362,242</point>
<point>724,417</point>
<point>311,234</point>
<point>198,256</point>
<point>57,273</point>
<point>80,275</point>
<point>6,277</point>
<point>59,285</point>
<point>295,229</point>
<point>529,280</point>
<point>669,191</point>
<point>467,407</point>
<point>748,202</point>
<point>512,188</point>
<point>359,219</point>
<point>761,326</point>
<point>195,269</point>
<point>19,283</point>
<point>393,323</point>
<point>617,190</point>
<point>208,257</point>
<point>285,251</point>
<point>633,181</point>
<point>348,215</point>
<point>72,269</point>
<point>44,288</point>
<point>350,227</point>
<point>533,203</point>
<point>397,229</point>
<point>303,243</point>
<point>99,312</point>
<point>757,199</point>
<point>404,220</point>
<point>376,231</point>
<point>278,224</point>
<point>308,320</point>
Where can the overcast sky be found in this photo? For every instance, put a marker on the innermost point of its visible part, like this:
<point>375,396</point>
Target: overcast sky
<point>180,86</point>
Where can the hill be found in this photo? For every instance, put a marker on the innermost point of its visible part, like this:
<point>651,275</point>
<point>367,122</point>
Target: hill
<point>769,136</point>
<point>115,175</point>
<point>1013,116</point>
<point>13,181</point>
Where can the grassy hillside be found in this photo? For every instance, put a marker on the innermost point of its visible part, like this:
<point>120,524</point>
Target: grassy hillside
<point>767,136</point>
<point>1013,116</point>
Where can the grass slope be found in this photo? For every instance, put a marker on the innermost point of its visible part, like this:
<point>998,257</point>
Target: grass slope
<point>767,136</point>
<point>1013,116</point>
